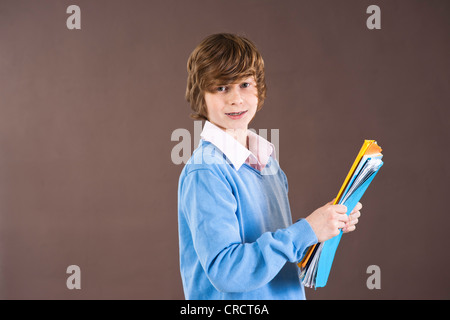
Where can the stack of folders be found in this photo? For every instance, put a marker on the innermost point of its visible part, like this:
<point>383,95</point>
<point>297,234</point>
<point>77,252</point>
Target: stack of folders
<point>316,264</point>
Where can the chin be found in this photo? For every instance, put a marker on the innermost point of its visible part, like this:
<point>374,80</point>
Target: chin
<point>237,126</point>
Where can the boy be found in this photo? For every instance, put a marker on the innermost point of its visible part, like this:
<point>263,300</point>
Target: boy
<point>236,236</point>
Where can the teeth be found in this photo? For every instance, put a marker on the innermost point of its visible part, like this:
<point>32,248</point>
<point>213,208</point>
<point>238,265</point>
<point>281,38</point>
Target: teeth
<point>235,113</point>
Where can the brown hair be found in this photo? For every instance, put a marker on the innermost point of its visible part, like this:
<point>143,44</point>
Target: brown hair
<point>222,59</point>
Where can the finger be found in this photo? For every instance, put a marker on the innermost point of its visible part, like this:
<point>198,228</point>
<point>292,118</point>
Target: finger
<point>349,229</point>
<point>341,225</point>
<point>340,208</point>
<point>342,217</point>
<point>355,215</point>
<point>358,207</point>
<point>352,222</point>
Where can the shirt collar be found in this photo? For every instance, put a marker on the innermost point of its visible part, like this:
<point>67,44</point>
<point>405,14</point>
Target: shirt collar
<point>260,148</point>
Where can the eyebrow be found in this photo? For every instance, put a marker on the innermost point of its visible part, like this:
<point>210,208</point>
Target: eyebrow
<point>248,79</point>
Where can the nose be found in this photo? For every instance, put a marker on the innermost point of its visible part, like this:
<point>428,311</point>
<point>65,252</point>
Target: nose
<point>235,97</point>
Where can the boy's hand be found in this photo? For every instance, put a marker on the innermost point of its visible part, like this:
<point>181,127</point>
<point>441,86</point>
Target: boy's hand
<point>327,220</point>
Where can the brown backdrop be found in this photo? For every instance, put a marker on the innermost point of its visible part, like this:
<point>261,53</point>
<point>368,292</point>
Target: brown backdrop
<point>86,118</point>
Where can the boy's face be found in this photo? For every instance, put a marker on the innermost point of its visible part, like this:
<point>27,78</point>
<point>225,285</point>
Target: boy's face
<point>232,106</point>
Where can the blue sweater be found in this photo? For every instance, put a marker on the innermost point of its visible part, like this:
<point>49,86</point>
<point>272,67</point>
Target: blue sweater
<point>236,236</point>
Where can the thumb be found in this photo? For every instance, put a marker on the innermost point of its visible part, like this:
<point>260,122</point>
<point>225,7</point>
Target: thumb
<point>340,208</point>
<point>332,201</point>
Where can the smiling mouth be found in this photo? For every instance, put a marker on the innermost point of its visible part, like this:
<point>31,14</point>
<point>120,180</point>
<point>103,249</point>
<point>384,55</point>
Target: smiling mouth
<point>235,113</point>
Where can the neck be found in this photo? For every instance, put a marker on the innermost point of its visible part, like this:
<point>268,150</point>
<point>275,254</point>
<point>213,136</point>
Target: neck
<point>240,135</point>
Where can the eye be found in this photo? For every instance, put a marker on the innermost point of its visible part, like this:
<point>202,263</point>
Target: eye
<point>221,89</point>
<point>245,85</point>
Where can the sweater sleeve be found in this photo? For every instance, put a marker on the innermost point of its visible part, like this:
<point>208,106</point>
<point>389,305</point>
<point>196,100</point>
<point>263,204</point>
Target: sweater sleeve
<point>209,207</point>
